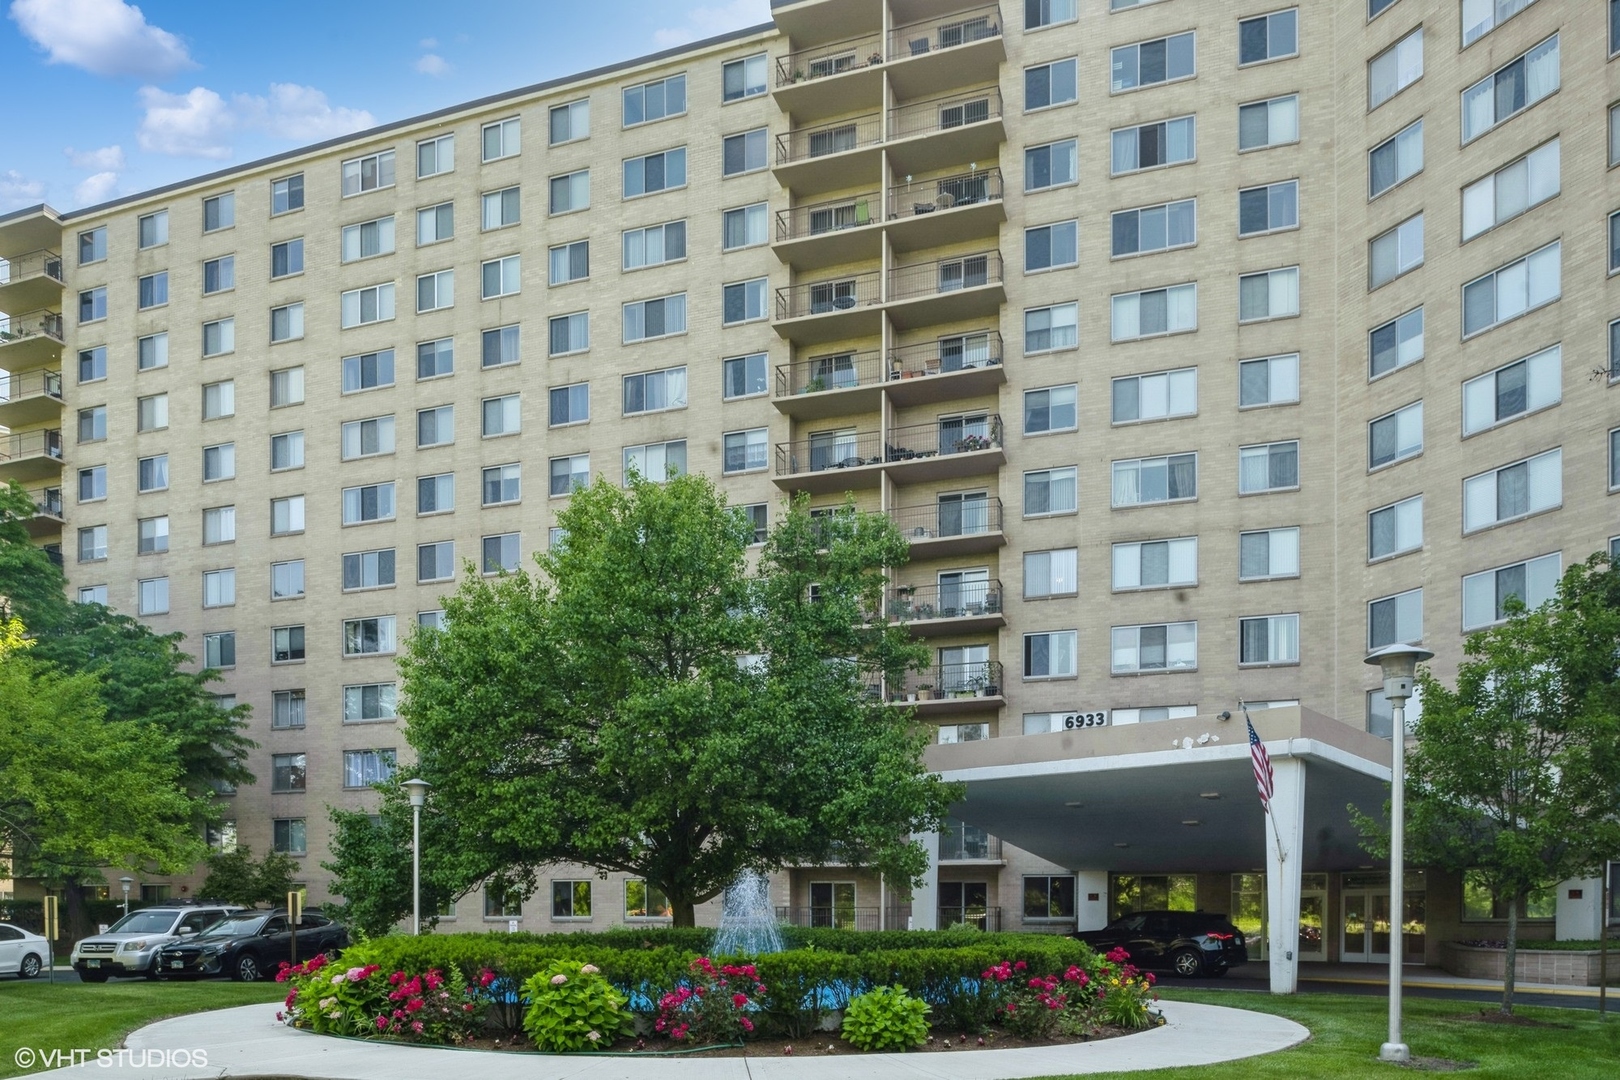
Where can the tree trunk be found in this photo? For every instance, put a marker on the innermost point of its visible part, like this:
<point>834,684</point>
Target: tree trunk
<point>685,912</point>
<point>1511,962</point>
<point>75,912</point>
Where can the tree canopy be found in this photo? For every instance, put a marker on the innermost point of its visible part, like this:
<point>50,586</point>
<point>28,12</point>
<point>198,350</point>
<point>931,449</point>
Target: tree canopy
<point>237,878</point>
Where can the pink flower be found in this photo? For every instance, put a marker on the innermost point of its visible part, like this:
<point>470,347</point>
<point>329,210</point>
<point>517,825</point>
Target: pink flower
<point>416,1026</point>
<point>739,1000</point>
<point>558,980</point>
<point>382,1023</point>
<point>589,969</point>
<point>485,977</point>
<point>1020,966</point>
<point>747,1024</point>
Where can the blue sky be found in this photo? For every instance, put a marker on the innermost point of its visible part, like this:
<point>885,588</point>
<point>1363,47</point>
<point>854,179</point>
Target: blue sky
<point>105,97</point>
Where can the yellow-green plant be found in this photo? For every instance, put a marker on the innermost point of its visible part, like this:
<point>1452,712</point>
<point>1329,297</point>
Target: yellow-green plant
<point>886,1018</point>
<point>572,1007</point>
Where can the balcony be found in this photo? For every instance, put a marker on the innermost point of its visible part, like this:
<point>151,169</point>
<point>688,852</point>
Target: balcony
<point>831,79</point>
<point>31,340</point>
<point>844,917</point>
<point>31,455</point>
<point>835,232</point>
<point>955,49</point>
<point>845,384</point>
<point>834,461</point>
<point>950,689</point>
<point>836,309</point>
<point>946,290</point>
<point>949,369</point>
<point>30,398</point>
<point>960,607</point>
<point>958,526</point>
<point>961,842</point>
<point>974,918</point>
<point>31,281</point>
<point>946,210</point>
<point>49,516</point>
<point>831,155</point>
<point>849,460</point>
<point>927,136</point>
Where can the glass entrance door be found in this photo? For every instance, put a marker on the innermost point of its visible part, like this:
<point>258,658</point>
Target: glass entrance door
<point>1354,946</point>
<point>1250,916</point>
<point>1367,928</point>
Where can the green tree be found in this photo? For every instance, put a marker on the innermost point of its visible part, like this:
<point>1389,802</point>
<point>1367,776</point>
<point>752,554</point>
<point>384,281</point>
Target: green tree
<point>1515,773</point>
<point>650,704</point>
<point>30,583</point>
<point>236,877</point>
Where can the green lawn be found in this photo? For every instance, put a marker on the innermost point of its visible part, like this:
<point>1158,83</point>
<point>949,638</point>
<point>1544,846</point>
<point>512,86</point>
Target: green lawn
<point>1346,1032</point>
<point>68,1016</point>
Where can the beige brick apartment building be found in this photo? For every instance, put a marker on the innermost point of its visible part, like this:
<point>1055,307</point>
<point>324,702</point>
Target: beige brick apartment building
<point>1199,347</point>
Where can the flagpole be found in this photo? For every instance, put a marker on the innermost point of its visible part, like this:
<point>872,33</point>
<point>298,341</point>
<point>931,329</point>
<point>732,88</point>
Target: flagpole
<point>1265,804</point>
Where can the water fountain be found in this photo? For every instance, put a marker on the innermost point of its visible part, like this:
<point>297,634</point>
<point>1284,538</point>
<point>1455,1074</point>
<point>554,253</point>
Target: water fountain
<point>747,919</point>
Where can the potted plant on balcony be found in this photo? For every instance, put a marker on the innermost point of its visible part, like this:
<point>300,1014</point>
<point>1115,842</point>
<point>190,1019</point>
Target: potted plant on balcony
<point>972,442</point>
<point>925,691</point>
<point>991,687</point>
<point>875,59</point>
<point>798,75</point>
<point>979,684</point>
<point>815,385</point>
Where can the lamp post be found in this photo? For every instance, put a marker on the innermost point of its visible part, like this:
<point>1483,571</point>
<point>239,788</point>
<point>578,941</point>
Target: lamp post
<point>417,790</point>
<point>1399,664</point>
<point>126,882</point>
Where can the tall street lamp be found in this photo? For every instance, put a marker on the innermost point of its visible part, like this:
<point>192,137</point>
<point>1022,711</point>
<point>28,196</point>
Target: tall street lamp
<point>126,882</point>
<point>1399,664</point>
<point>417,790</point>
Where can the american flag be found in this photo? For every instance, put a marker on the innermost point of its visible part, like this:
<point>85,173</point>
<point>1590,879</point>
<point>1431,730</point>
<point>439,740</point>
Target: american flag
<point>1262,765</point>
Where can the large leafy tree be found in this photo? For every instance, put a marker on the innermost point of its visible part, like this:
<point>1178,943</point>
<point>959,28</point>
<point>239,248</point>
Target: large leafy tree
<point>235,876</point>
<point>1515,774</point>
<point>651,703</point>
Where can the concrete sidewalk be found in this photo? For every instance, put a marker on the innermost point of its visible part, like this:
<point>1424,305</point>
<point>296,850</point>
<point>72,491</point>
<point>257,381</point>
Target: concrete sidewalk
<point>1427,978</point>
<point>248,1041</point>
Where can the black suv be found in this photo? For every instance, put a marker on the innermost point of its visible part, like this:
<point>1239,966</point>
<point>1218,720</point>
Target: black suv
<point>249,946</point>
<point>1186,942</point>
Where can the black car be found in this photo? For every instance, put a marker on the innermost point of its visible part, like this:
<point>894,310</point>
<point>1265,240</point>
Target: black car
<point>1186,942</point>
<point>249,946</point>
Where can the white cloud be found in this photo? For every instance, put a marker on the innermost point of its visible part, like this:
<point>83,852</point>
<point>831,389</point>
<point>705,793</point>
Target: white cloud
<point>108,158</point>
<point>17,190</point>
<point>201,123</point>
<point>433,64</point>
<point>299,112</point>
<point>709,20</point>
<point>104,37</point>
<point>96,189</point>
<point>429,43</point>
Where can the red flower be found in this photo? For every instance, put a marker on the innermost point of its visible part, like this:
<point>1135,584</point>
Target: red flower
<point>1020,966</point>
<point>739,1000</point>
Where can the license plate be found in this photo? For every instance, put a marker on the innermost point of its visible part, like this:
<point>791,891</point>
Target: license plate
<point>92,963</point>
<point>177,963</point>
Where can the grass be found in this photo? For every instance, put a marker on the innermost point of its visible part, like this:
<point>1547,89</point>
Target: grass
<point>69,1016</point>
<point>1346,1032</point>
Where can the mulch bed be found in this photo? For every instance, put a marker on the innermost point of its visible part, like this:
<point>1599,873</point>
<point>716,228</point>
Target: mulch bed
<point>1495,1016</point>
<point>823,1044</point>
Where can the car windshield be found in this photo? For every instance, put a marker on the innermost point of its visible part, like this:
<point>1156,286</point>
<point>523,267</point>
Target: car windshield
<point>235,926</point>
<point>143,922</point>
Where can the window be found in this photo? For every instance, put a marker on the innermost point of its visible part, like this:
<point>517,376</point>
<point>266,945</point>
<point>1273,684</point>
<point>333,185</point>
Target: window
<point>647,319</point>
<point>654,100</point>
<point>1149,63</point>
<point>288,836</point>
<point>1154,480</point>
<point>92,245</point>
<point>435,156</point>
<point>1268,467</point>
<point>570,333</point>
<point>431,620</point>
<point>219,212</point>
<point>1512,290</point>
<point>1395,437</point>
<point>287,451</point>
<point>1051,573</point>
<point>1274,122</point>
<point>1049,328</point>
<point>368,173</point>
<point>572,899</point>
<point>286,258</point>
<point>368,371</point>
<point>1050,655</point>
<point>1039,13</point>
<point>363,768</point>
<point>287,387</point>
<point>569,474</point>
<point>93,543</point>
<point>93,594</point>
<point>500,554</point>
<point>1485,595</point>
<point>1156,564</point>
<point>1153,714</point>
<point>502,415</point>
<point>1268,208</point>
<point>368,637</point>
<point>93,424</point>
<point>655,172</point>
<point>369,305</point>
<point>1273,294</point>
<point>368,238</point>
<point>1268,37</point>
<point>368,701</point>
<point>1511,190</point>
<point>436,494</point>
<point>153,596</point>
<point>286,644</point>
<point>503,277</point>
<point>502,484</point>
<point>435,358</point>
<point>436,426</point>
<point>153,229</point>
<point>1396,343</point>
<point>1513,491</point>
<point>435,223</point>
<point>287,515</point>
<point>152,473</point>
<point>152,413</point>
<point>1164,647</point>
<point>1052,165</point>
<point>1155,227</point>
<point>287,709</point>
<point>744,376</point>
<point>368,569</point>
<point>1480,17</point>
<point>93,363</point>
<point>1614,459</point>
<point>1480,902</point>
<point>219,400</point>
<point>1395,252</point>
<point>1394,69</point>
<point>1048,246</point>
<point>1269,639</point>
<point>219,337</point>
<point>287,580</point>
<point>1269,380</point>
<point>1513,390</point>
<point>658,244</point>
<point>571,191</point>
<point>219,274</point>
<point>1394,619</point>
<point>1395,529</point>
<point>1510,90</point>
<point>371,502</point>
<point>744,301</point>
<point>1049,897</point>
<point>219,588</point>
<point>1168,142</point>
<point>502,139</point>
<point>502,208</point>
<point>154,290</point>
<point>739,154</point>
<point>570,262</point>
<point>219,462</point>
<point>435,562</point>
<point>1155,312</point>
<point>366,438</point>
<point>1050,84</point>
<point>1614,144</point>
<point>745,451</point>
<point>1049,491</point>
<point>1267,554</point>
<point>287,194</point>
<point>1050,409</point>
<point>288,772</point>
<point>656,461</point>
<point>571,121</point>
<point>286,323</point>
<point>93,483</point>
<point>435,291</point>
<point>742,78</point>
<point>1397,158</point>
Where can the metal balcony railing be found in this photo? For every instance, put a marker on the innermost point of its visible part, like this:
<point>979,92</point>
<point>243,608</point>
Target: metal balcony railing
<point>946,31</point>
<point>41,263</point>
<point>828,297</point>
<point>958,517</point>
<point>949,435</point>
<point>945,193</point>
<point>831,137</point>
<point>843,917</point>
<point>944,600</point>
<point>834,215</point>
<point>47,443</point>
<point>959,841</point>
<point>836,372</point>
<point>33,324</point>
<point>960,352</point>
<point>47,501</point>
<point>53,552</point>
<point>972,916</point>
<point>949,680</point>
<point>945,113</point>
<point>945,275</point>
<point>28,384</point>
<point>834,58</point>
<point>834,450</point>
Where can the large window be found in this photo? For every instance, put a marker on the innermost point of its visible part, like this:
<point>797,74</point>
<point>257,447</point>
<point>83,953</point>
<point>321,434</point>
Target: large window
<point>370,502</point>
<point>368,371</point>
<point>1049,246</point>
<point>655,391</point>
<point>570,899</point>
<point>1269,639</point>
<point>1268,467</point>
<point>366,438</point>
<point>1050,655</point>
<point>368,637</point>
<point>746,451</point>
<point>1156,564</point>
<point>368,238</point>
<point>1149,63</point>
<point>368,173</point>
<point>368,305</point>
<point>1394,69</point>
<point>654,100</point>
<point>1039,13</point>
<point>1394,619</point>
<point>656,244</point>
<point>1050,84</point>
<point>742,78</point>
<point>1155,312</point>
<point>1271,294</point>
<point>570,192</point>
<point>1268,380</point>
<point>1049,491</point>
<point>655,172</point>
<point>1513,491</point>
<point>1273,122</point>
<point>1050,573</point>
<point>1049,409</point>
<point>1481,903</point>
<point>503,138</point>
<point>287,709</point>
<point>368,701</point>
<point>502,277</point>
<point>1269,208</point>
<point>656,461</point>
<point>1397,158</point>
<point>571,121</point>
<point>744,376</point>
<point>1511,190</point>
<point>363,768</point>
<point>744,301</point>
<point>1049,328</point>
<point>645,901</point>
<point>1147,229</point>
<point>1162,647</point>
<point>1395,252</point>
<point>1395,529</point>
<point>1395,437</point>
<point>1268,553</point>
<point>647,319</point>
<point>1486,594</point>
<point>1155,396</point>
<point>288,836</point>
<point>288,772</point>
<point>1148,146</point>
<point>435,156</point>
<point>1513,390</point>
<point>1052,165</point>
<point>1049,897</point>
<point>1268,37</point>
<point>501,208</point>
<point>368,569</point>
<point>740,153</point>
<point>1153,480</point>
<point>1396,343</point>
<point>1130,893</point>
<point>1510,89</point>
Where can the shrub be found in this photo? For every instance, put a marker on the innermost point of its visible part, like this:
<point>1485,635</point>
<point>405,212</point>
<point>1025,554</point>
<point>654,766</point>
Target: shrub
<point>714,1007</point>
<point>886,1018</point>
<point>572,1007</point>
<point>432,1007</point>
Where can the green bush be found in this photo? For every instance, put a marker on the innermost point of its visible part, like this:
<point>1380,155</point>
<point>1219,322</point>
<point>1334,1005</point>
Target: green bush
<point>572,1007</point>
<point>886,1018</point>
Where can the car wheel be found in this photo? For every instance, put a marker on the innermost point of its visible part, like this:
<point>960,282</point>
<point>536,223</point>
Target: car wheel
<point>1187,964</point>
<point>29,968</point>
<point>93,976</point>
<point>247,969</point>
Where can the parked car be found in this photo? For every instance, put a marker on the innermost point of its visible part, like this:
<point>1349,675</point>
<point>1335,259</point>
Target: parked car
<point>22,954</point>
<point>249,946</point>
<point>130,944</point>
<point>1188,943</point>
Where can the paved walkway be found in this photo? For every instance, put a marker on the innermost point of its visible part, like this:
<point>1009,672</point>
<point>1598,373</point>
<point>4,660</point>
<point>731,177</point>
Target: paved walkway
<point>1413,975</point>
<point>248,1041</point>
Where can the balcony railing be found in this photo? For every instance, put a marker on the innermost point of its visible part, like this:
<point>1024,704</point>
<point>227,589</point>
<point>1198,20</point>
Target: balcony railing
<point>33,324</point>
<point>837,372</point>
<point>945,113</point>
<point>30,384</point>
<point>964,517</point>
<point>841,917</point>
<point>827,297</point>
<point>834,215</point>
<point>945,193</point>
<point>960,841</point>
<point>950,680</point>
<point>47,501</point>
<point>951,435</point>
<point>958,353</point>
<point>944,600</point>
<point>946,31</point>
<point>973,917</point>
<point>41,263</point>
<point>841,450</point>
<point>53,552</point>
<point>945,275</point>
<point>832,137</point>
<point>835,58</point>
<point>47,443</point>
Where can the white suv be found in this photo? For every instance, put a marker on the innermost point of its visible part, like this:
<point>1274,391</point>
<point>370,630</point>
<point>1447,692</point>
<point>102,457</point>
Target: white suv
<point>130,944</point>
